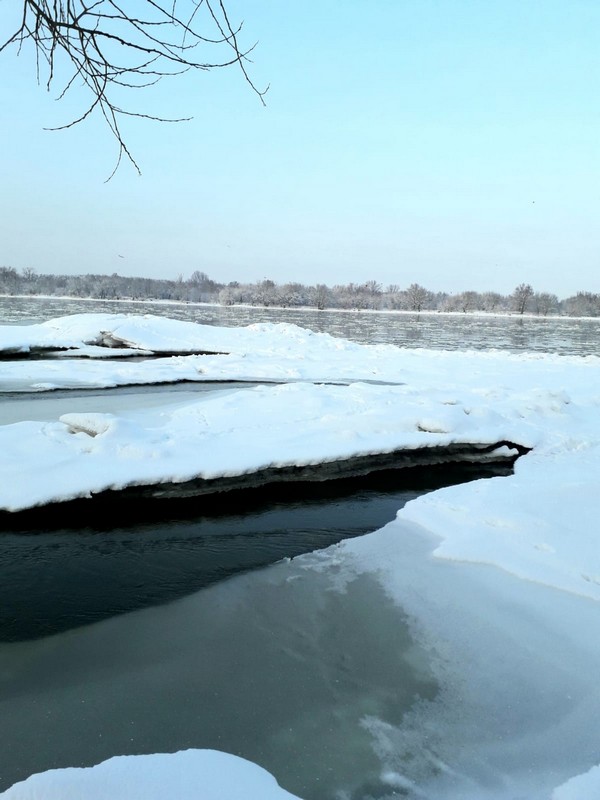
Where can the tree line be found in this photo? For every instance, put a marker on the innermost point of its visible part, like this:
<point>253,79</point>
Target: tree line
<point>371,295</point>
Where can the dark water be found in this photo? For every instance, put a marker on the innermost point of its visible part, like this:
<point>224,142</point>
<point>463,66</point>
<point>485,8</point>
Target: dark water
<point>563,335</point>
<point>69,567</point>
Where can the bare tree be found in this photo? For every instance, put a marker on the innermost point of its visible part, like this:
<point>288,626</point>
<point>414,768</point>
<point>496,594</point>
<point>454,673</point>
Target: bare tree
<point>9,280</point>
<point>199,278</point>
<point>464,301</point>
<point>106,48</point>
<point>583,304</point>
<point>521,297</point>
<point>394,298</point>
<point>545,303</point>
<point>320,296</point>
<point>492,301</point>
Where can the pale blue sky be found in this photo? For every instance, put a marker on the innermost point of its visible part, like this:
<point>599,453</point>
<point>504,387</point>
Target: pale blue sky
<point>448,142</point>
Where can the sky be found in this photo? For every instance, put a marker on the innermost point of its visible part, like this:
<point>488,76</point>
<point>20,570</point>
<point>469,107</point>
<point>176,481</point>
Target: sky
<point>452,143</point>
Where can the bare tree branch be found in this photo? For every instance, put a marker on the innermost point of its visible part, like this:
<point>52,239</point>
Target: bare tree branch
<point>108,50</point>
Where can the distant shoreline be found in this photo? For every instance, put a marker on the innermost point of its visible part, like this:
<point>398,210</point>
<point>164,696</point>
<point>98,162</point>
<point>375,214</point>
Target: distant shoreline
<point>304,309</point>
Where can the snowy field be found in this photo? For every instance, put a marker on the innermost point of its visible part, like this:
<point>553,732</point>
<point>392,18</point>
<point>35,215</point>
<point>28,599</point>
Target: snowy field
<point>499,578</point>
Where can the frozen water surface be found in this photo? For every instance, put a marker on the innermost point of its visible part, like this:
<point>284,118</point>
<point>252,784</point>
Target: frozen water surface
<point>276,666</point>
<point>452,680</point>
<point>516,664</point>
<point>21,407</point>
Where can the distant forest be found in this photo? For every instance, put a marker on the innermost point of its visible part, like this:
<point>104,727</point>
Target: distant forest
<point>199,288</point>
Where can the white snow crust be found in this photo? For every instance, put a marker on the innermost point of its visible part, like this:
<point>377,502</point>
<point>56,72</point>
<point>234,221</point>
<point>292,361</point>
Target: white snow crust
<point>186,775</point>
<point>235,434</point>
<point>527,542</point>
<point>260,352</point>
<point>263,351</point>
<point>581,787</point>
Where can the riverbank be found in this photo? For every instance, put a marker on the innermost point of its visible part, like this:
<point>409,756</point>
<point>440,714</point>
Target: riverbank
<point>482,598</point>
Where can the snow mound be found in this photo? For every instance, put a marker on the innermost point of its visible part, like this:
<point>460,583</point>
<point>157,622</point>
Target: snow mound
<point>581,787</point>
<point>186,775</point>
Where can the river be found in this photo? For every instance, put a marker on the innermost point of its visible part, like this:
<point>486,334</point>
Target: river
<point>563,335</point>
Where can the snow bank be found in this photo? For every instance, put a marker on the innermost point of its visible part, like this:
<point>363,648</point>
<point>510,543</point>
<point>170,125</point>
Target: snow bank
<point>267,352</point>
<point>439,399</point>
<point>538,524</point>
<point>241,433</point>
<point>158,335</point>
<point>581,787</point>
<point>76,331</point>
<point>186,775</point>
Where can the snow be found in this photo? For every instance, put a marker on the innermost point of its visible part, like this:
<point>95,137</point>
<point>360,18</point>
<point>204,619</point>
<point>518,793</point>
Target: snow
<point>432,399</point>
<point>155,334</point>
<point>540,524</point>
<point>581,787</point>
<point>186,775</point>
<point>259,352</point>
<point>492,573</point>
<point>232,435</point>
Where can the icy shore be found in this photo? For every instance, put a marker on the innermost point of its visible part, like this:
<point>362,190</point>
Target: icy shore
<point>527,543</point>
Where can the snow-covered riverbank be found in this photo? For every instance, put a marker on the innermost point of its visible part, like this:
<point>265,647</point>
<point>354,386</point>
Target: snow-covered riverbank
<point>500,578</point>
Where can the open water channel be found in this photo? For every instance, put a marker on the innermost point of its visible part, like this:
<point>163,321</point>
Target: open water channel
<point>159,626</point>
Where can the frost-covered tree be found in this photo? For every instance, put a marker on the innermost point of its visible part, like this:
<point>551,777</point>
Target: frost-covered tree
<point>521,297</point>
<point>320,296</point>
<point>545,303</point>
<point>417,297</point>
<point>493,301</point>
<point>464,301</point>
<point>10,280</point>
<point>583,304</point>
<point>265,293</point>
<point>394,298</point>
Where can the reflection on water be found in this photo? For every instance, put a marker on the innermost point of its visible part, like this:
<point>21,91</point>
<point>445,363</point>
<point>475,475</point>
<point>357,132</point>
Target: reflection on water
<point>273,666</point>
<point>64,568</point>
<point>453,332</point>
